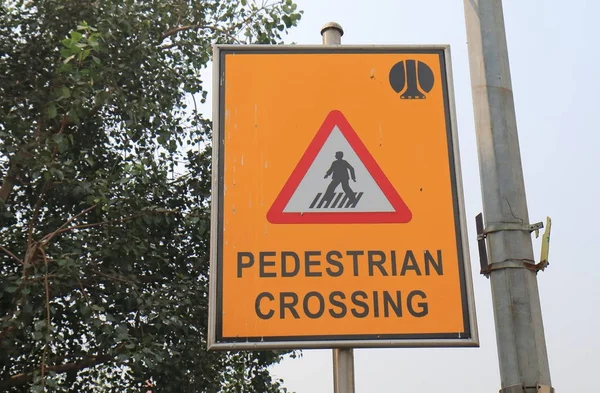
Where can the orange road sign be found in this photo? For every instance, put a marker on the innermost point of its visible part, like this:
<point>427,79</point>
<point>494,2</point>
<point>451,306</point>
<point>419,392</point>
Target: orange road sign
<point>337,215</point>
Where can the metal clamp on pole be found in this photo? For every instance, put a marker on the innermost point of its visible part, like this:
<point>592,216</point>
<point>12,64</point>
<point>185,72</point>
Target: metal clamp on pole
<point>513,389</point>
<point>512,226</point>
<point>482,233</point>
<point>528,389</point>
<point>545,389</point>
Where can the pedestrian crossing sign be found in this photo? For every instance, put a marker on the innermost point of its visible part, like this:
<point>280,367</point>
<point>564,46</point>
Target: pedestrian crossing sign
<point>319,188</point>
<point>337,213</point>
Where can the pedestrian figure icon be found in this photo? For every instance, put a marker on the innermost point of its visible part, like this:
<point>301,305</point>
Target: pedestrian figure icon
<point>341,172</point>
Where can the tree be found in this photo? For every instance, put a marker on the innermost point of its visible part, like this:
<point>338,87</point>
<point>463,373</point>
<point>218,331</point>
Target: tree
<point>105,193</point>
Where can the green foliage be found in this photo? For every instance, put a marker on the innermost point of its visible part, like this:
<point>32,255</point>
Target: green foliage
<point>105,194</point>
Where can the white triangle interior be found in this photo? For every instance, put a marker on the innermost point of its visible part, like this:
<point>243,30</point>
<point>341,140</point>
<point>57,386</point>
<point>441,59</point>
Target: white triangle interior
<point>372,198</point>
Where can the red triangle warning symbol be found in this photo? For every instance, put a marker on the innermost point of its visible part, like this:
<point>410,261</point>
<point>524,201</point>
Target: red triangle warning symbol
<point>337,181</point>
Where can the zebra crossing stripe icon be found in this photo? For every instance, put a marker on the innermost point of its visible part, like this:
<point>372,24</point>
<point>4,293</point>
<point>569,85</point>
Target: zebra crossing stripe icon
<point>337,181</point>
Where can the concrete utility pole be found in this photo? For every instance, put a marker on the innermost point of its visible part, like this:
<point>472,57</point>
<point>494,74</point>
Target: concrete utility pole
<point>343,359</point>
<point>517,312</point>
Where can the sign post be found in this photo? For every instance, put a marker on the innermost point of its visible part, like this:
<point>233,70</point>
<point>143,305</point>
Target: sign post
<point>337,207</point>
<point>343,358</point>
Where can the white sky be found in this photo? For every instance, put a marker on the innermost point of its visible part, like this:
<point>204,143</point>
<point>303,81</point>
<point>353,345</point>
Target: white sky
<point>556,82</point>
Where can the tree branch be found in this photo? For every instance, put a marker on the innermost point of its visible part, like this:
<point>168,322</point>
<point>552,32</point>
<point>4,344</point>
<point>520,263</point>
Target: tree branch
<point>85,296</point>
<point>89,361</point>
<point>115,278</point>
<point>12,175</point>
<point>114,221</point>
<point>10,254</point>
<point>175,30</point>
<point>36,211</point>
<point>7,330</point>
<point>8,183</point>
<point>49,236</point>
<point>47,289</point>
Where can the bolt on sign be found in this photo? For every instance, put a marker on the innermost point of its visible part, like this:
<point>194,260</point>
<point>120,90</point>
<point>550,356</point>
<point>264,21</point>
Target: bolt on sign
<point>338,216</point>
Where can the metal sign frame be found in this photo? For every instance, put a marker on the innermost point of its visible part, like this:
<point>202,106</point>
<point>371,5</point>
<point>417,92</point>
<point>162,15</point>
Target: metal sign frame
<point>468,338</point>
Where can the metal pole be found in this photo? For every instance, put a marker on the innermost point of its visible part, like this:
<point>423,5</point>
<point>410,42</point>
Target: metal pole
<point>332,34</point>
<point>343,370</point>
<point>343,359</point>
<point>519,328</point>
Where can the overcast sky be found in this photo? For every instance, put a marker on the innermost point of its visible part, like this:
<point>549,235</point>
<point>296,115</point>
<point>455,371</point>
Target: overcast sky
<point>556,81</point>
